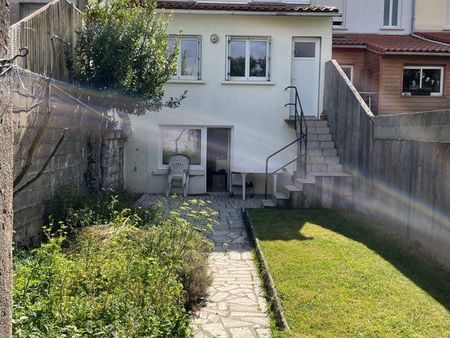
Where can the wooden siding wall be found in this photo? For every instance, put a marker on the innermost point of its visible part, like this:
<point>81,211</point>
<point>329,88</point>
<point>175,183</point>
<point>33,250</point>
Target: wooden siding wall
<point>49,34</point>
<point>354,57</point>
<point>391,85</point>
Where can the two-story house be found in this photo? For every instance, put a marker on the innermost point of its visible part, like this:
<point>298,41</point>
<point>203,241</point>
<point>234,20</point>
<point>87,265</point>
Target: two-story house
<point>235,61</point>
<point>395,69</point>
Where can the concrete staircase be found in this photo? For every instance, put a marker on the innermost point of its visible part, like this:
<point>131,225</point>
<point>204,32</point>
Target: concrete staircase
<point>326,184</point>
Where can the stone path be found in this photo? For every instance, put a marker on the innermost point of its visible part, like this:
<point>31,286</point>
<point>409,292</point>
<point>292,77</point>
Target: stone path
<point>236,306</point>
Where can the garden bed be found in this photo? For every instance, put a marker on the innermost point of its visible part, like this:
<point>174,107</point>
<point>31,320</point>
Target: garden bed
<point>340,275</point>
<point>110,269</point>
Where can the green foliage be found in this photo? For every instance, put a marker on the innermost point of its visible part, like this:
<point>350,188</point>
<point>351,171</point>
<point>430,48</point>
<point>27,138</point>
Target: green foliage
<point>75,210</point>
<point>119,274</point>
<point>123,52</point>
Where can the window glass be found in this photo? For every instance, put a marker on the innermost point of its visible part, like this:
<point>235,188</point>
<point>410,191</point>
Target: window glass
<point>258,57</point>
<point>422,81</point>
<point>189,57</point>
<point>237,58</point>
<point>348,71</point>
<point>394,13</point>
<point>186,141</point>
<point>387,12</point>
<point>304,49</point>
<point>431,80</point>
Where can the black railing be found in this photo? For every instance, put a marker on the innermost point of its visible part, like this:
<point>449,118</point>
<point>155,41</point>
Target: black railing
<point>301,131</point>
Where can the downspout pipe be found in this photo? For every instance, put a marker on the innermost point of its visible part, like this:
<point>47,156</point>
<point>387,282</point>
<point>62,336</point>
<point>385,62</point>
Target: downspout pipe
<point>413,17</point>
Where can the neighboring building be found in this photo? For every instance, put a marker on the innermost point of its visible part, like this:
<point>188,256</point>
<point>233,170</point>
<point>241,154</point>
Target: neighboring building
<point>20,9</point>
<point>394,69</point>
<point>235,62</point>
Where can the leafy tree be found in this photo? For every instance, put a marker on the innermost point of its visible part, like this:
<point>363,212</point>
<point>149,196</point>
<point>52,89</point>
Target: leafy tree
<point>123,52</point>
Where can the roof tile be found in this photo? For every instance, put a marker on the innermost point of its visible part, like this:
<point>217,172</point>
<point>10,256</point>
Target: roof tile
<point>246,7</point>
<point>388,44</point>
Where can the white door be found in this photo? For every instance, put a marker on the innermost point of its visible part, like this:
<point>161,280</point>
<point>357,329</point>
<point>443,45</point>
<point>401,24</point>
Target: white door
<point>306,72</point>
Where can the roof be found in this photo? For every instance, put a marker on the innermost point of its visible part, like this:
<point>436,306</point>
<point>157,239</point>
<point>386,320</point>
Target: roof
<point>443,37</point>
<point>391,44</point>
<point>247,7</point>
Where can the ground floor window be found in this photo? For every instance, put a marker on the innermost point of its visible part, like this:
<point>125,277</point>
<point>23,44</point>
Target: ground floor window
<point>348,70</point>
<point>423,81</point>
<point>181,140</point>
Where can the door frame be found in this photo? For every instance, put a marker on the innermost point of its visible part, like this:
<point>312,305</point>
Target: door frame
<point>318,41</point>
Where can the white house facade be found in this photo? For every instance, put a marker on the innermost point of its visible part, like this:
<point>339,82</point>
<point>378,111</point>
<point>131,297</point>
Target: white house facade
<point>391,17</point>
<point>235,63</point>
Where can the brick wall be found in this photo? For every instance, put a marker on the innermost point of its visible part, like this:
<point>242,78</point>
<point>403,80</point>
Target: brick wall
<point>80,152</point>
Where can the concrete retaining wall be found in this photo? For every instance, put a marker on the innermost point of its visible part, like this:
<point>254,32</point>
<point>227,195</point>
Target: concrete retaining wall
<point>79,161</point>
<point>400,165</point>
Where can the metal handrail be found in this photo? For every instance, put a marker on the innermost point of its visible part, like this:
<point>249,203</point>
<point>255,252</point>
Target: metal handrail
<point>301,129</point>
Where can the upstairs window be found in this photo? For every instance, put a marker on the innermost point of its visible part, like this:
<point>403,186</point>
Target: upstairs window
<point>391,13</point>
<point>248,58</point>
<point>423,81</point>
<point>188,57</point>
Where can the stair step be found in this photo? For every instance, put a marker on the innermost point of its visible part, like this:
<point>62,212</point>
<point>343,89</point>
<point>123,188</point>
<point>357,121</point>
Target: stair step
<point>329,152</point>
<point>324,137</point>
<point>280,196</point>
<point>317,123</point>
<point>268,204</point>
<point>327,145</point>
<point>292,188</point>
<point>332,159</point>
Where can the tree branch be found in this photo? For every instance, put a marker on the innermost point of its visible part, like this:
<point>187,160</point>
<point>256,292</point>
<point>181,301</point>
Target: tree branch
<point>34,143</point>
<point>39,174</point>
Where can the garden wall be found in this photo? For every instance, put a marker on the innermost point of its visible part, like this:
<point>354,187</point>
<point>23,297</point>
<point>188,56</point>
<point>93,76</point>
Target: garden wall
<point>400,164</point>
<point>82,161</point>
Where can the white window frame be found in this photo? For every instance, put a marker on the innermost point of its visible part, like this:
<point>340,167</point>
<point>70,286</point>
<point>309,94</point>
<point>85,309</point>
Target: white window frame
<point>399,14</point>
<point>351,71</point>
<point>178,76</point>
<point>247,40</point>
<point>421,68</point>
<point>203,139</point>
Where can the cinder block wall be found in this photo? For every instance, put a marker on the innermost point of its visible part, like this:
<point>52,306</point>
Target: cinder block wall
<point>78,154</point>
<point>400,165</point>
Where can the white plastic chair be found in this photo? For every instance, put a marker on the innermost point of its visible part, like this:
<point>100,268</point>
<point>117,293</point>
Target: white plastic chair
<point>178,173</point>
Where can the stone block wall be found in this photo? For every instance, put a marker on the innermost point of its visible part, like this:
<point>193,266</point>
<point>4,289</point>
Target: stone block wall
<point>400,164</point>
<point>79,161</point>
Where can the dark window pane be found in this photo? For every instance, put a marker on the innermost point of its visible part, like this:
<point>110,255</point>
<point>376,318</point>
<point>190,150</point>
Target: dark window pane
<point>237,58</point>
<point>304,49</point>
<point>184,141</point>
<point>189,57</point>
<point>394,12</point>
<point>348,72</point>
<point>258,55</point>
<point>431,80</point>
<point>387,12</point>
<point>411,81</point>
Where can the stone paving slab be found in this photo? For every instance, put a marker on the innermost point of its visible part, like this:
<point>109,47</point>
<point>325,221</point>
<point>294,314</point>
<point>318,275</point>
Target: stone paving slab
<point>236,306</point>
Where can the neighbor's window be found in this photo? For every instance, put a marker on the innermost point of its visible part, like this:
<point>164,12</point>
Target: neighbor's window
<point>248,58</point>
<point>188,57</point>
<point>348,70</point>
<point>186,141</point>
<point>391,13</point>
<point>423,81</point>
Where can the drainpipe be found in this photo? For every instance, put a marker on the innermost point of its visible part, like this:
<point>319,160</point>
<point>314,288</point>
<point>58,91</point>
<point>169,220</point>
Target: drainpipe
<point>413,17</point>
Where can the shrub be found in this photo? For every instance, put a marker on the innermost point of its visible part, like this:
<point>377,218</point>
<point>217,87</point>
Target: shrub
<point>118,275</point>
<point>106,287</point>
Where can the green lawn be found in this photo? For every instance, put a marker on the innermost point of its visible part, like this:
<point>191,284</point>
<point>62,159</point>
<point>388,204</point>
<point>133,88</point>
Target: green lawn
<point>337,276</point>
